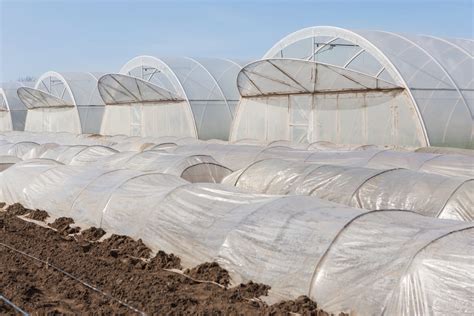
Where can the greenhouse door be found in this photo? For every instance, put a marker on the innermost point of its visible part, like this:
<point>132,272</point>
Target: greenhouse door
<point>136,120</point>
<point>300,107</point>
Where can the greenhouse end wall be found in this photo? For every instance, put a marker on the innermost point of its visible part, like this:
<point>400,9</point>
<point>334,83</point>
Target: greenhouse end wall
<point>436,72</point>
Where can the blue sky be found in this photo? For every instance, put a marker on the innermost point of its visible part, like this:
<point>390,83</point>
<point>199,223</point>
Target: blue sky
<point>70,35</point>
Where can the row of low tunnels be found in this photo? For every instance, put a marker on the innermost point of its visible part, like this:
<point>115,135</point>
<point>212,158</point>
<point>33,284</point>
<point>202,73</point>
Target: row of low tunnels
<point>431,184</point>
<point>371,240</point>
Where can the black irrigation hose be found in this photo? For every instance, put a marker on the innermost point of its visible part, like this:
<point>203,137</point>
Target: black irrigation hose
<point>17,308</point>
<point>72,277</point>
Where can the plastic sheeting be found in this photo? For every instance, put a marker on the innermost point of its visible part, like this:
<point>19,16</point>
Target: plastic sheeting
<point>66,102</point>
<point>208,86</point>
<point>194,168</point>
<point>436,72</point>
<point>305,101</point>
<point>7,161</point>
<point>61,138</point>
<point>14,179</point>
<point>12,110</point>
<point>136,107</point>
<point>20,149</point>
<point>395,257</point>
<point>240,156</point>
<point>237,156</point>
<point>47,113</point>
<point>427,194</point>
<point>445,150</point>
<point>392,262</point>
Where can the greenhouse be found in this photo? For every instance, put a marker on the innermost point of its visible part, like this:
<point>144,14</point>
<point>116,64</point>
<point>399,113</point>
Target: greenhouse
<point>12,110</point>
<point>424,193</point>
<point>171,97</point>
<point>138,108</point>
<point>66,102</point>
<point>298,245</point>
<point>425,97</point>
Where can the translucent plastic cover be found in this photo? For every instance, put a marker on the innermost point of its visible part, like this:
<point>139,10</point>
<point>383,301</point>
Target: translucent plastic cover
<point>393,262</point>
<point>428,194</point>
<point>305,101</point>
<point>436,72</point>
<point>208,86</point>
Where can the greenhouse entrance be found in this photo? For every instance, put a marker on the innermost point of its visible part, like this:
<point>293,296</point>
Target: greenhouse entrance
<point>300,107</point>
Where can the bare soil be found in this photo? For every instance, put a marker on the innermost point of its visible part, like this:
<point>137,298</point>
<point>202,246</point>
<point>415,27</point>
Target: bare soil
<point>38,215</point>
<point>78,275</point>
<point>92,234</point>
<point>210,271</point>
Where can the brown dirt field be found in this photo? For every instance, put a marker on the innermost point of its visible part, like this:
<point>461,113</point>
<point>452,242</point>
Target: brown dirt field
<point>121,269</point>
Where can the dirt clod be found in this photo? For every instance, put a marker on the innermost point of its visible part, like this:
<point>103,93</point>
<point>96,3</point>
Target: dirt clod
<point>38,215</point>
<point>92,234</point>
<point>210,271</point>
<point>162,260</point>
<point>119,245</point>
<point>63,226</point>
<point>249,290</point>
<point>17,209</point>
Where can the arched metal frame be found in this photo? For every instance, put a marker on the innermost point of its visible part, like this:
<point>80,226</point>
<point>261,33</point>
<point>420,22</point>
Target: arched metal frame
<point>176,83</point>
<point>15,110</point>
<point>367,44</point>
<point>78,89</point>
<point>40,85</point>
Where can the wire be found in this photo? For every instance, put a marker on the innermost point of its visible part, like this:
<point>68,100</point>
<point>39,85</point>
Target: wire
<point>74,278</point>
<point>17,308</point>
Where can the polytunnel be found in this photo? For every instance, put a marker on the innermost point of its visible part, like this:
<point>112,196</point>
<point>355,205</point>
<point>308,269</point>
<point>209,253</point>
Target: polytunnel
<point>14,179</point>
<point>443,164</point>
<point>296,244</point>
<point>81,191</point>
<point>138,108</point>
<point>20,149</point>
<point>435,75</point>
<point>193,168</point>
<point>427,194</point>
<point>12,110</point>
<point>239,156</point>
<point>7,161</point>
<point>397,258</point>
<point>63,102</point>
<point>67,154</point>
<point>60,138</point>
<point>232,156</point>
<point>169,90</point>
<point>61,153</point>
